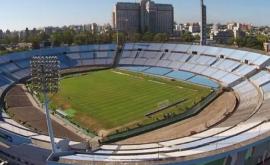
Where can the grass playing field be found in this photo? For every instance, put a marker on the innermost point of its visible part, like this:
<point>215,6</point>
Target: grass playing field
<point>112,99</point>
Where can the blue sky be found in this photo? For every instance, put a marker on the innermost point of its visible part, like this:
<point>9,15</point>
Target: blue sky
<point>18,14</point>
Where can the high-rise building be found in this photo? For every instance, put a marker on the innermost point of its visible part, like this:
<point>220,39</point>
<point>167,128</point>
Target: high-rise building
<point>94,28</point>
<point>239,26</point>
<point>215,28</point>
<point>179,27</point>
<point>238,33</point>
<point>1,34</point>
<point>230,26</point>
<point>194,28</point>
<point>223,36</point>
<point>143,17</point>
<point>87,27</point>
<point>203,24</point>
<point>267,46</point>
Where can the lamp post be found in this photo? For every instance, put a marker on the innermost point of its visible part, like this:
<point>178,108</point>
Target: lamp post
<point>127,30</point>
<point>203,24</point>
<point>45,79</point>
<point>124,26</point>
<point>117,37</point>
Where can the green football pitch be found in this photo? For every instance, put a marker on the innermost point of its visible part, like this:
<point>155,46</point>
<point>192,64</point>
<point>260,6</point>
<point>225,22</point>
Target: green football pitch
<point>111,99</point>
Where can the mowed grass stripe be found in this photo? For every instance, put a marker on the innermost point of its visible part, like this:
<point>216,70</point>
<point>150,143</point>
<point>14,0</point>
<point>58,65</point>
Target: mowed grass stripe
<point>115,100</point>
<point>123,98</point>
<point>139,109</point>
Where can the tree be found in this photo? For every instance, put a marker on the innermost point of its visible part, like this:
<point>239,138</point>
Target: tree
<point>43,36</point>
<point>230,41</point>
<point>105,38</point>
<point>121,38</point>
<point>35,44</point>
<point>197,37</point>
<point>68,36</point>
<point>135,37</point>
<point>240,42</point>
<point>161,37</point>
<point>187,37</point>
<point>250,42</point>
<point>91,38</point>
<point>80,39</point>
<point>14,38</point>
<point>56,39</point>
<point>2,48</point>
<point>148,36</point>
<point>262,38</point>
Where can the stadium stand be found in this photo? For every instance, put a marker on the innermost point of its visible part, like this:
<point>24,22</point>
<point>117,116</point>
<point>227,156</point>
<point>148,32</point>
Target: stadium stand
<point>244,72</point>
<point>158,71</point>
<point>180,75</point>
<point>203,81</point>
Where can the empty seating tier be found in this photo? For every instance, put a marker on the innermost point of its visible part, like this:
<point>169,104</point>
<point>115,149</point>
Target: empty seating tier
<point>243,72</point>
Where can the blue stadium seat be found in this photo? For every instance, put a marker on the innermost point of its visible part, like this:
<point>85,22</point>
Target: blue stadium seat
<point>180,75</point>
<point>135,68</point>
<point>203,81</point>
<point>158,71</point>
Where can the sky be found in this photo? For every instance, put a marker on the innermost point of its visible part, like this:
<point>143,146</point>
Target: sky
<point>19,14</point>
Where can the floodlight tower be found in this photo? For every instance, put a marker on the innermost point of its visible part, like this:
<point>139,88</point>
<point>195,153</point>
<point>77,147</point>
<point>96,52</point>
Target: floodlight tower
<point>203,24</point>
<point>45,79</point>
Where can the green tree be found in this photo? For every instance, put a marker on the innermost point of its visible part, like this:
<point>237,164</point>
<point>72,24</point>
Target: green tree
<point>56,39</point>
<point>68,36</point>
<point>240,42</point>
<point>197,37</point>
<point>135,37</point>
<point>35,43</point>
<point>187,37</point>
<point>250,42</point>
<point>2,48</point>
<point>80,39</point>
<point>43,36</point>
<point>90,38</point>
<point>161,37</point>
<point>148,36</point>
<point>121,38</point>
<point>105,38</point>
<point>231,41</point>
<point>262,38</point>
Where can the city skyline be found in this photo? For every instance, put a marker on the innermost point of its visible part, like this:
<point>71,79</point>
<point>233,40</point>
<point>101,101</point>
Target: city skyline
<point>69,12</point>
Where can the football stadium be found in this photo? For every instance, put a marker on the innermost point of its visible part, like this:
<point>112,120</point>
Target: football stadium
<point>150,103</point>
<point>145,90</point>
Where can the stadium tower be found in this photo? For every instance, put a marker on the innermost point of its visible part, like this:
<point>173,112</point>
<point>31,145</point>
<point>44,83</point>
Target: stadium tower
<point>203,24</point>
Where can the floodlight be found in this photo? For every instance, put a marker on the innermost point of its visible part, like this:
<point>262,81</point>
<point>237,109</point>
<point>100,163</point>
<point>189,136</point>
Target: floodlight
<point>45,79</point>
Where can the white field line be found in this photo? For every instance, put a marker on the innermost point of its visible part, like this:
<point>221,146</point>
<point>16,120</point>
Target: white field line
<point>121,73</point>
<point>150,80</point>
<point>138,77</point>
<point>156,82</point>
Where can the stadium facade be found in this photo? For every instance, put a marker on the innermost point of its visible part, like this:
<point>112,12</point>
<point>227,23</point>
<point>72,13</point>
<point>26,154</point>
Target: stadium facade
<point>143,17</point>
